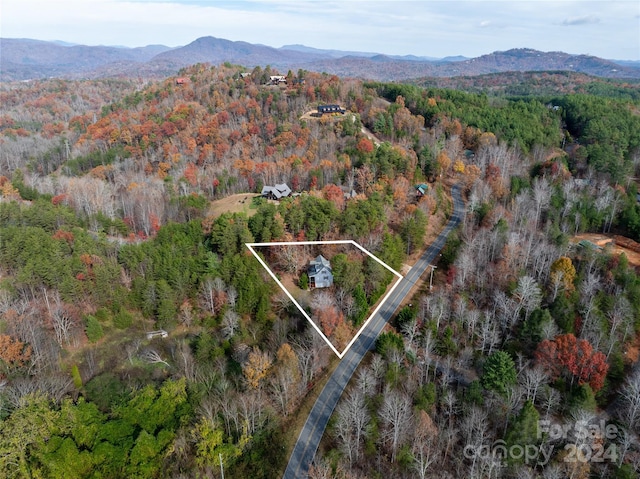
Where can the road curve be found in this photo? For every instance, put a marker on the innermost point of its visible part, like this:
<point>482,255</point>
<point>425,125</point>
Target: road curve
<point>305,449</point>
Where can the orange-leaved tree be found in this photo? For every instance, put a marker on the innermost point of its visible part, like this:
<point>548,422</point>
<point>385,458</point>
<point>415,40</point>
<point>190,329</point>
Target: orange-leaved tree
<point>576,357</point>
<point>13,352</point>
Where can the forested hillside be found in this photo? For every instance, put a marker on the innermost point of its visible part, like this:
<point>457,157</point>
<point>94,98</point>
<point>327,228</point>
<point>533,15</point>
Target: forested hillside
<point>111,228</point>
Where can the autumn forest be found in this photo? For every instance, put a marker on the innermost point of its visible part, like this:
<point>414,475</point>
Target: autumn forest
<point>139,337</point>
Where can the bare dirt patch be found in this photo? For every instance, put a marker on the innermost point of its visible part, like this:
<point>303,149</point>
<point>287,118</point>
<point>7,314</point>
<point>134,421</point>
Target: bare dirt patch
<point>239,203</point>
<point>614,243</point>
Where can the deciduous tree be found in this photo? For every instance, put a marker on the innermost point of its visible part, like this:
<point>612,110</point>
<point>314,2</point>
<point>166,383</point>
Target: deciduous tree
<point>576,357</point>
<point>13,352</point>
<point>564,273</point>
<point>257,367</point>
<point>396,416</point>
<point>352,420</point>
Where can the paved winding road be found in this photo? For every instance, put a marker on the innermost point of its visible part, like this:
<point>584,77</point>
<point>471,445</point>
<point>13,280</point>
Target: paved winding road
<point>309,439</point>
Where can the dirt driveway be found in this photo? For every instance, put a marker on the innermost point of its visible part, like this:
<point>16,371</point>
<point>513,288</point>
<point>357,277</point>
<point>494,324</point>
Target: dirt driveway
<point>618,245</point>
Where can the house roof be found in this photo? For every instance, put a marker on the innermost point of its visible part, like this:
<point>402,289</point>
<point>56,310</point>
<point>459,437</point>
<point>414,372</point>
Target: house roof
<point>278,191</point>
<point>319,264</point>
<point>330,108</point>
<point>422,188</point>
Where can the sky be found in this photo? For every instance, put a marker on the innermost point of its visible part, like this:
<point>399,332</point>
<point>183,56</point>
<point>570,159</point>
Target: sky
<point>608,29</point>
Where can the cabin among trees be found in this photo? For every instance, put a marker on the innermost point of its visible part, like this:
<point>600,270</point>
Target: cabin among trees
<point>421,190</point>
<point>320,273</point>
<point>329,109</point>
<point>348,193</point>
<point>276,192</point>
<point>278,79</point>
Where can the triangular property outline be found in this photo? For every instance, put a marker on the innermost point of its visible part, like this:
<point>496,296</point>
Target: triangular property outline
<point>340,355</point>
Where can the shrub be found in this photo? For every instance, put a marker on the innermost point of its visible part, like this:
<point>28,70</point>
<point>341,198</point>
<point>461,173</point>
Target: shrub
<point>123,319</point>
<point>93,328</point>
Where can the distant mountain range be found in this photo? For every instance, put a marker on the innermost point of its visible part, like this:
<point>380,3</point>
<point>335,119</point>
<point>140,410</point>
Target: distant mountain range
<point>23,59</point>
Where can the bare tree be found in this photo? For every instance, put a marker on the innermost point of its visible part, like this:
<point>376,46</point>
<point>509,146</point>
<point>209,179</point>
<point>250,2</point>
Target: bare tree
<point>630,395</point>
<point>411,330</point>
<point>550,400</point>
<point>186,314</point>
<point>90,361</point>
<point>449,405</point>
<point>395,413</point>
<point>528,295</point>
<point>472,319</point>
<point>153,357</point>
<point>465,264</point>
<point>232,296</point>
<point>131,349</point>
<point>290,258</point>
<point>305,362</point>
<point>556,284</point>
<point>591,284</point>
<point>474,426</point>
<point>320,469</point>
<point>619,317</point>
<point>489,335</point>
<point>282,386</point>
<point>62,321</point>
<point>54,386</point>
<point>541,194</point>
<point>474,429</point>
<point>424,446</point>
<point>186,361</point>
<point>209,291</point>
<point>230,323</point>
<point>505,309</point>
<point>550,330</point>
<point>626,442</point>
<point>553,471</point>
<point>351,424</point>
<point>322,300</point>
<point>251,408</point>
<point>428,345</point>
<point>531,380</point>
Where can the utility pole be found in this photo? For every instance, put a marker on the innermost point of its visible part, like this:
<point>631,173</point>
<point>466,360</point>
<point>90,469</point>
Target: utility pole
<point>221,466</point>
<point>431,278</point>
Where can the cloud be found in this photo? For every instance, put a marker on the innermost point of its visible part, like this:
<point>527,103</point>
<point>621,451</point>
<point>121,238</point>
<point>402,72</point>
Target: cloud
<point>492,24</point>
<point>583,20</point>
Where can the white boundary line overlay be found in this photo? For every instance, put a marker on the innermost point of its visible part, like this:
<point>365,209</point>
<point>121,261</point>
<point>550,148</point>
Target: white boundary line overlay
<point>340,355</point>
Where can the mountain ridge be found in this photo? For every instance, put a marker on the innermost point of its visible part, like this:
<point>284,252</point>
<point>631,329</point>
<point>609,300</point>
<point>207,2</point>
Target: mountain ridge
<point>24,59</point>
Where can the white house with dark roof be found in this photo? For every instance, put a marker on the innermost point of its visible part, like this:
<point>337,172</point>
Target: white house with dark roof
<point>320,273</point>
<point>277,79</point>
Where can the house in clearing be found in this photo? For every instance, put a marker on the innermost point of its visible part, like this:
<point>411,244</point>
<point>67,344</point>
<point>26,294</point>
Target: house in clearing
<point>276,192</point>
<point>328,109</point>
<point>320,273</point>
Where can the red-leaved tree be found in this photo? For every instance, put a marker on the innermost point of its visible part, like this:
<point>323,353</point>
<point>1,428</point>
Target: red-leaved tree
<point>568,355</point>
<point>334,194</point>
<point>329,319</point>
